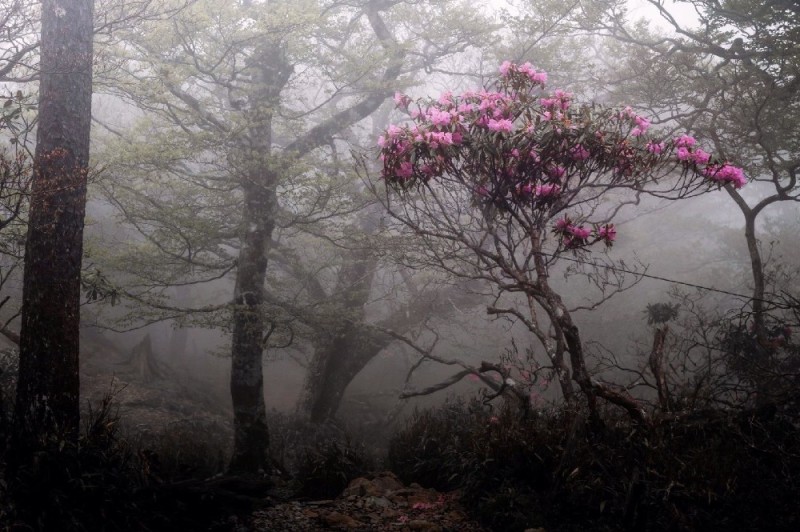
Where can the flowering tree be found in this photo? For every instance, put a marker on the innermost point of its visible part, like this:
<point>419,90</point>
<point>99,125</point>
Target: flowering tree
<point>501,183</point>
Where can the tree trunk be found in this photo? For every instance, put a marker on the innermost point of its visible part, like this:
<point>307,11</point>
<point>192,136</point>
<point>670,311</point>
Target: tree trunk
<point>255,165</point>
<point>48,389</point>
<point>251,437</point>
<point>336,363</point>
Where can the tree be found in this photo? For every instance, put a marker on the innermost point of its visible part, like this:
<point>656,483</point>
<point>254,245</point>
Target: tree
<point>225,90</point>
<point>500,184</point>
<point>48,388</point>
<point>732,77</point>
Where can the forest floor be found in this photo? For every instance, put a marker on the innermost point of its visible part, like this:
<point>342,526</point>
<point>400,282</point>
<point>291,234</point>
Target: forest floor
<point>376,502</point>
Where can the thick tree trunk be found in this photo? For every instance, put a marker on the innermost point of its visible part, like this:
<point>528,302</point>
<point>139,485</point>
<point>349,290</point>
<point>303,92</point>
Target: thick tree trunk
<point>251,437</point>
<point>337,363</point>
<point>256,167</point>
<point>48,389</point>
<point>343,349</point>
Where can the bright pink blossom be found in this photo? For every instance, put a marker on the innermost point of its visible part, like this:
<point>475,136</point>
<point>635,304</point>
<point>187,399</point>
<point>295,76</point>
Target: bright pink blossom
<point>500,125</point>
<point>655,147</point>
<point>405,171</point>
<point>685,141</point>
<point>438,117</point>
<point>579,232</point>
<point>701,157</point>
<point>562,224</point>
<point>726,173</point>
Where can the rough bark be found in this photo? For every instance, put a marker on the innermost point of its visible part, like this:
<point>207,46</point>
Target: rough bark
<point>251,437</point>
<point>47,394</point>
<point>270,71</point>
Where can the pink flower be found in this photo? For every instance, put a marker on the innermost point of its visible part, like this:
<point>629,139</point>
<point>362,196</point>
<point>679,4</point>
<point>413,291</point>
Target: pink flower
<point>726,173</point>
<point>446,98</point>
<point>642,123</point>
<point>683,154</point>
<point>505,68</point>
<point>439,118</point>
<point>608,233</point>
<point>579,232</point>
<point>563,99</point>
<point>393,131</point>
<point>494,420</point>
<point>500,125</point>
<point>701,157</point>
<point>547,190</point>
<point>439,137</point>
<point>401,100</point>
<point>556,172</point>
<point>655,147</point>
<point>685,141</point>
<point>579,153</point>
<point>405,171</point>
<point>538,78</point>
<point>562,224</point>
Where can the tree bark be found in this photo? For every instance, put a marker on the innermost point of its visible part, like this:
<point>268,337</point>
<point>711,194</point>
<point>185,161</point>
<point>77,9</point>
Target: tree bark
<point>251,436</point>
<point>48,390</point>
<point>344,357</point>
<point>256,166</point>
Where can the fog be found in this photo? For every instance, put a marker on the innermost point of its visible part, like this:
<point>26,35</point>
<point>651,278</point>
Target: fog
<point>309,225</point>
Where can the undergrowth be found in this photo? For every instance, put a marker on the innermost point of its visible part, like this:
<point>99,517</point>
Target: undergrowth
<point>710,470</point>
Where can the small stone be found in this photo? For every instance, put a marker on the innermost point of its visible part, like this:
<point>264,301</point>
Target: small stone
<point>336,519</point>
<point>424,526</point>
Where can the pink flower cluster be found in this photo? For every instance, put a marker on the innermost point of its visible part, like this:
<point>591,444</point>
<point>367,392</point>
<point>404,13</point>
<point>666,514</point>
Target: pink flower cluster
<point>685,150</point>
<point>725,173</point>
<point>577,236</point>
<point>518,150</point>
<point>640,123</point>
<point>508,69</point>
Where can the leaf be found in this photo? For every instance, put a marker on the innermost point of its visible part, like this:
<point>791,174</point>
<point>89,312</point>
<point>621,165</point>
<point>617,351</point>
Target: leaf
<point>7,104</point>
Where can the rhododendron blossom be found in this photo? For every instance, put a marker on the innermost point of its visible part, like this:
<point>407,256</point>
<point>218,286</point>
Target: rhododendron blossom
<point>515,147</point>
<point>500,125</point>
<point>546,191</point>
<point>607,233</point>
<point>726,173</point>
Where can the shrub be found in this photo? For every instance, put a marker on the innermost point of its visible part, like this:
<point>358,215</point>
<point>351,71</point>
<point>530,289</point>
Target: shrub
<point>737,470</point>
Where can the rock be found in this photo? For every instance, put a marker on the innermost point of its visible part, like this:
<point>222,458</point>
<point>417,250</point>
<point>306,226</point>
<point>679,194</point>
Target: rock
<point>424,526</point>
<point>339,520</point>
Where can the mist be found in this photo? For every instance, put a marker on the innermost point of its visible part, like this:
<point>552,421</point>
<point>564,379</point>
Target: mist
<point>395,265</point>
